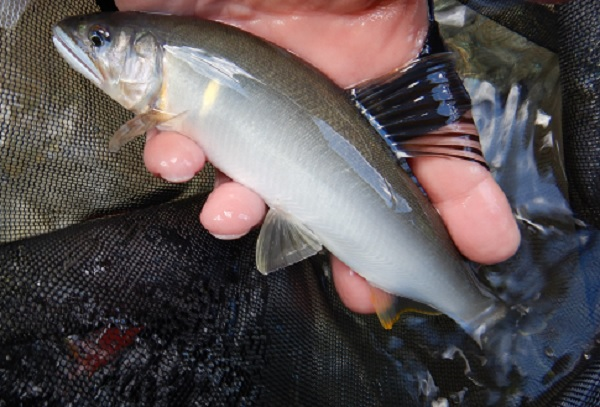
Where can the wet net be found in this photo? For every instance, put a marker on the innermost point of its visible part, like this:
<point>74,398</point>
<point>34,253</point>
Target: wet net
<point>111,292</point>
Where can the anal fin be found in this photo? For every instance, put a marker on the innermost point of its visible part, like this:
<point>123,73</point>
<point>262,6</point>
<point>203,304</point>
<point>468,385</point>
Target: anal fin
<point>422,109</point>
<point>283,242</point>
<point>389,307</point>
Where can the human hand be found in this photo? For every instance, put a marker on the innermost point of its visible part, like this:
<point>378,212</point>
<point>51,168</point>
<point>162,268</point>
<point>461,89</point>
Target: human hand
<point>549,1</point>
<point>350,41</point>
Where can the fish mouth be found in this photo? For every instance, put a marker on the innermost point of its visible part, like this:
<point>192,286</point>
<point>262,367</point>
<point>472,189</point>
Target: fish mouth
<point>76,56</point>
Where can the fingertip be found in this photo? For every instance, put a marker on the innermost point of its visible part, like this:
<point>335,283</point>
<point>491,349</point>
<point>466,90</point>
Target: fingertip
<point>232,210</point>
<point>172,156</point>
<point>475,211</point>
<point>483,225</point>
<point>353,290</point>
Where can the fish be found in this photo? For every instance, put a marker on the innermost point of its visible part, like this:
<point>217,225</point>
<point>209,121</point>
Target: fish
<point>324,159</point>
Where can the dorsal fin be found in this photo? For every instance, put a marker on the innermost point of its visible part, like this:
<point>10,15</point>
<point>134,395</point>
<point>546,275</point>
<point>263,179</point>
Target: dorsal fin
<point>422,109</point>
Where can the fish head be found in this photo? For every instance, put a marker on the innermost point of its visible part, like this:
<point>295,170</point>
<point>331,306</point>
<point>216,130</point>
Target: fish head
<point>122,58</point>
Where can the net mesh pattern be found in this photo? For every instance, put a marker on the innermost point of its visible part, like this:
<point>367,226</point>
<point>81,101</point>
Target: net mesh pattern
<point>164,314</point>
<point>10,11</point>
<point>62,173</point>
<point>534,21</point>
<point>111,293</point>
<point>584,389</point>
<point>133,320</point>
<point>580,64</point>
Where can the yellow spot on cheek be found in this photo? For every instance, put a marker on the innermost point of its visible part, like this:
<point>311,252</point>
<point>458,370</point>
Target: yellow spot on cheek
<point>210,95</point>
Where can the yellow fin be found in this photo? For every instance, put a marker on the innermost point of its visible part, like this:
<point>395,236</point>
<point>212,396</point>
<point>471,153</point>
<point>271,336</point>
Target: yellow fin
<point>137,126</point>
<point>389,307</point>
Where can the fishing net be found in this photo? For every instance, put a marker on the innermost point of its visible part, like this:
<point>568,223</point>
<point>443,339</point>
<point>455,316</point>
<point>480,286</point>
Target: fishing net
<point>111,292</point>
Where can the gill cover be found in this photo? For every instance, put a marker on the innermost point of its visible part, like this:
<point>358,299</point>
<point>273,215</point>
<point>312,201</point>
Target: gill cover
<point>123,60</point>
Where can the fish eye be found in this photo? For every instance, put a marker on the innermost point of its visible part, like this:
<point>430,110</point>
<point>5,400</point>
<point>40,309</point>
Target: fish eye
<point>99,36</point>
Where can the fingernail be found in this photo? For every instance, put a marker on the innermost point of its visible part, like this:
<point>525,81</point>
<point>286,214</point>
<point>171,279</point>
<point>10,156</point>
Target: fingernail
<point>227,237</point>
<point>177,176</point>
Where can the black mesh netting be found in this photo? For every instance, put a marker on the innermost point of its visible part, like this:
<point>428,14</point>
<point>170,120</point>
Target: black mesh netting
<point>579,42</point>
<point>534,21</point>
<point>111,293</point>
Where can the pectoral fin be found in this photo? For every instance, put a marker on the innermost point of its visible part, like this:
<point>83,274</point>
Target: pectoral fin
<point>137,126</point>
<point>389,307</point>
<point>283,242</point>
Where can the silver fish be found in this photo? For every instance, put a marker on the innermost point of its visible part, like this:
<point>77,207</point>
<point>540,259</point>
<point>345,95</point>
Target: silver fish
<point>281,128</point>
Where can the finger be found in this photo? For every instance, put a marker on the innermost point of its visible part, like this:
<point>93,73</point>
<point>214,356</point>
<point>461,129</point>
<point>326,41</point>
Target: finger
<point>231,211</point>
<point>354,291</point>
<point>171,7</point>
<point>312,30</point>
<point>172,156</point>
<point>549,1</point>
<point>473,207</point>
